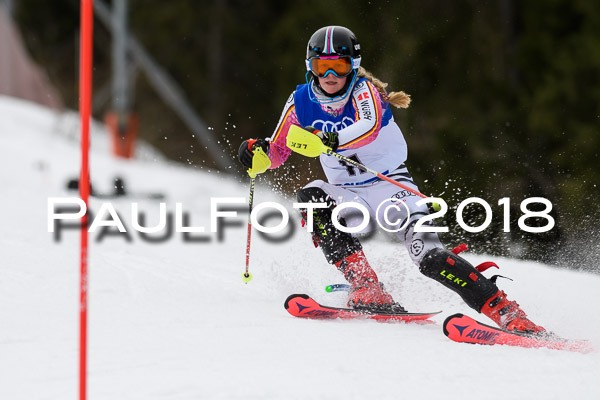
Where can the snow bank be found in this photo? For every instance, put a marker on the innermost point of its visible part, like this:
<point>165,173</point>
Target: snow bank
<point>173,320</point>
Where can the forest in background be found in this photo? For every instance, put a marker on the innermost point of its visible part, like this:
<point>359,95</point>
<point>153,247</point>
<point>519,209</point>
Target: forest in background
<point>506,94</point>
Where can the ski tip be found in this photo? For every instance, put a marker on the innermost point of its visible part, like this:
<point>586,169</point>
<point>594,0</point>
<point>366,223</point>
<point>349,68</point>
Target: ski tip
<point>294,296</point>
<point>447,321</point>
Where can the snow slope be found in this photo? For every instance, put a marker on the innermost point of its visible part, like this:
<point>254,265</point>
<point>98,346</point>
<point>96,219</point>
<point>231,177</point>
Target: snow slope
<point>173,320</point>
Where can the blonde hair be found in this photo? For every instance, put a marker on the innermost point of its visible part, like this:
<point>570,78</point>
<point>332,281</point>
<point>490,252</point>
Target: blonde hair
<point>397,99</point>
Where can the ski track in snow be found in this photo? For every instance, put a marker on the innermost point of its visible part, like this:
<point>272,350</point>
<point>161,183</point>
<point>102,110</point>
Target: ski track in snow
<point>174,321</point>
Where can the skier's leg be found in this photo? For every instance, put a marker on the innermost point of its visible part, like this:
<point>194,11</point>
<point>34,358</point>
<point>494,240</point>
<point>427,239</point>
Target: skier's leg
<point>442,265</point>
<point>397,211</point>
<point>344,250</point>
<point>476,290</point>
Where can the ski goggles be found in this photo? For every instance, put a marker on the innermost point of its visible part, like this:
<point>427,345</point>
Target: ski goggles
<point>339,66</point>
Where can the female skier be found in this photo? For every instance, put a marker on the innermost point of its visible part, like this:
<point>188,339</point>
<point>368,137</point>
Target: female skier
<point>348,109</point>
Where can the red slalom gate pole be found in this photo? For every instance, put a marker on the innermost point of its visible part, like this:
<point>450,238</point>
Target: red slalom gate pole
<point>85,105</point>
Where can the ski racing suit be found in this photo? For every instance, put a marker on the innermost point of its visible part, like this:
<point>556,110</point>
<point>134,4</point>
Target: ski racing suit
<point>367,134</point>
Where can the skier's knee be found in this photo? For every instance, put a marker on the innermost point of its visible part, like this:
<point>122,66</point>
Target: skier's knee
<point>419,243</point>
<point>336,244</point>
<point>459,275</point>
<point>314,194</point>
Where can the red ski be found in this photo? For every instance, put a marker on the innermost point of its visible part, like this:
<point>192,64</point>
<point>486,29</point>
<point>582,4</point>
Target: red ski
<point>464,329</point>
<point>302,305</point>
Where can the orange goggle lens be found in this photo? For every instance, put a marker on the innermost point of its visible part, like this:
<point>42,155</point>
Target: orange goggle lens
<point>340,66</point>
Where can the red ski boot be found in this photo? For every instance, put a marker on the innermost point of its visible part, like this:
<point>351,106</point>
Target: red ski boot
<point>508,315</point>
<point>366,292</point>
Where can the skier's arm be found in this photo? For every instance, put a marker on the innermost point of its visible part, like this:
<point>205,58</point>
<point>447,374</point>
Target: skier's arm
<point>367,102</point>
<point>279,152</point>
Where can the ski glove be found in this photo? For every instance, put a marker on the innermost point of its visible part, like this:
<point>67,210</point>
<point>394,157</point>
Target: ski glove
<point>246,151</point>
<point>329,139</point>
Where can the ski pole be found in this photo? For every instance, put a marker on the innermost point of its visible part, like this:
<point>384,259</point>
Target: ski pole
<point>247,276</point>
<point>363,167</point>
<point>304,142</point>
<point>260,163</point>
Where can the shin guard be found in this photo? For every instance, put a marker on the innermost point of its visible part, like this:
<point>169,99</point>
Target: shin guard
<point>459,275</point>
<point>336,245</point>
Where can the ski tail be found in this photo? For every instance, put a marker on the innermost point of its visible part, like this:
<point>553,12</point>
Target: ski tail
<point>464,329</point>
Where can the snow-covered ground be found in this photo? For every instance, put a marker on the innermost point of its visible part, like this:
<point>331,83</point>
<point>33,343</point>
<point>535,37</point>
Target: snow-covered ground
<point>173,320</point>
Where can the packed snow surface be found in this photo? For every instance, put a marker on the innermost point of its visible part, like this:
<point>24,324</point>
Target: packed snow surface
<point>173,320</point>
